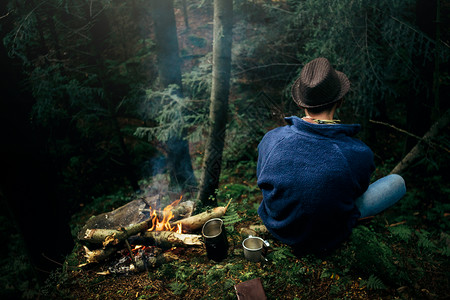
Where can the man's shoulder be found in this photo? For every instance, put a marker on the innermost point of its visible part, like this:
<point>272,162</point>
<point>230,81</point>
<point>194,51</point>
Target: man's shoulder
<point>279,132</point>
<point>276,135</point>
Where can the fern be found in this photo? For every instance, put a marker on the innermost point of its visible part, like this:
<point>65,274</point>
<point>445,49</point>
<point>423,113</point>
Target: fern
<point>178,288</point>
<point>402,232</point>
<point>445,251</point>
<point>424,242</point>
<point>231,218</point>
<point>281,254</point>
<point>374,283</point>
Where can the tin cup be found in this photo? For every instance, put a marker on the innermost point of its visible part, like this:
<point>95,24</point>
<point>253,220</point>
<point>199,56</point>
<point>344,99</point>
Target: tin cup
<point>215,238</point>
<point>253,248</point>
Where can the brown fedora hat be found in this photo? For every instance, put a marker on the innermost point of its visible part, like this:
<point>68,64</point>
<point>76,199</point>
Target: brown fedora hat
<point>319,84</point>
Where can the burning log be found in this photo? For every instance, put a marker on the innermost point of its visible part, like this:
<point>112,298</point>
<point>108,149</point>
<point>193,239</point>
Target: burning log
<point>111,236</point>
<point>182,210</point>
<point>152,231</point>
<point>167,239</point>
<point>196,222</point>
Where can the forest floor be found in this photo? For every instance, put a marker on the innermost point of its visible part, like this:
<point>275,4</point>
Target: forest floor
<point>400,254</point>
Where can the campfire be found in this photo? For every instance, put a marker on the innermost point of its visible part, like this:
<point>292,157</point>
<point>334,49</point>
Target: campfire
<point>141,235</point>
<point>168,215</point>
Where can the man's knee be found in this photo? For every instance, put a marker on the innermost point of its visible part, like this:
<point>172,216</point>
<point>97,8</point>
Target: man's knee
<point>399,182</point>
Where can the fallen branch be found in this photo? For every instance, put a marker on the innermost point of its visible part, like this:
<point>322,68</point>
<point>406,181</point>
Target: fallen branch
<point>396,224</point>
<point>421,139</point>
<point>418,149</point>
<point>196,222</point>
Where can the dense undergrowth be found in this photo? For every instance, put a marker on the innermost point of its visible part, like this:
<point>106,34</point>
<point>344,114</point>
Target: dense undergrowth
<point>402,253</point>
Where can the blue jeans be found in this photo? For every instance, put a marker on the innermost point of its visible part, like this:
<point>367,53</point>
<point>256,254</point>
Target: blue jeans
<point>381,194</point>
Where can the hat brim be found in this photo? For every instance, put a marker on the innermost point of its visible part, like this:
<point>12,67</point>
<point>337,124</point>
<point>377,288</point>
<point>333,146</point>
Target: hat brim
<point>297,95</point>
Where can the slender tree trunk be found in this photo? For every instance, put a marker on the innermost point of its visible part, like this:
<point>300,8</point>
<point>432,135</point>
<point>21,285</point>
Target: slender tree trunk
<point>178,158</point>
<point>185,14</point>
<point>223,25</point>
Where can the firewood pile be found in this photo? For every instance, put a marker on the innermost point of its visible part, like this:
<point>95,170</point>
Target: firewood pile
<point>140,234</point>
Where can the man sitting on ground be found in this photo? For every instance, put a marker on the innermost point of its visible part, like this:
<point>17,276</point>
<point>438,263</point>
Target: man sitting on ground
<point>314,174</point>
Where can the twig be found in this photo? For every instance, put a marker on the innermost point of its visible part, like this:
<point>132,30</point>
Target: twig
<point>396,224</point>
<point>133,259</point>
<point>420,33</point>
<point>226,207</point>
<point>264,66</point>
<point>412,135</point>
<point>53,261</point>
<point>5,15</point>
<point>28,15</point>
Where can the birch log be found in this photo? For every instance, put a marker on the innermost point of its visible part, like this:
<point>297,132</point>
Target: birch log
<point>112,236</point>
<point>98,255</point>
<point>167,239</point>
<point>196,222</point>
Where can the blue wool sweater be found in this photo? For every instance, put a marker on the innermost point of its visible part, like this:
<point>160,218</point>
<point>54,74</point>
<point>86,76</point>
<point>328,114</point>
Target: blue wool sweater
<point>310,176</point>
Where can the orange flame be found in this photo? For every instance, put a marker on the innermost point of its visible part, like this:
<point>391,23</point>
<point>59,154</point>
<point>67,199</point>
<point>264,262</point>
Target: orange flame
<point>164,224</point>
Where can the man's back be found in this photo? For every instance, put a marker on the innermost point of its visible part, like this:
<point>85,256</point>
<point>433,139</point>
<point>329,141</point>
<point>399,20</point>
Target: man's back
<point>310,175</point>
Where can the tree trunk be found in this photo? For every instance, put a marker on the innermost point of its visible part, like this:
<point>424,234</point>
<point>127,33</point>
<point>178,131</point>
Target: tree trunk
<point>223,24</point>
<point>185,14</point>
<point>178,158</point>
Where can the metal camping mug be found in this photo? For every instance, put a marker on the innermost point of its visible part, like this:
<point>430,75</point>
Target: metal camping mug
<point>215,237</point>
<point>253,248</point>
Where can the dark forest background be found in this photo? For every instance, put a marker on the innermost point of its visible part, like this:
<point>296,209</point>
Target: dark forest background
<point>85,111</point>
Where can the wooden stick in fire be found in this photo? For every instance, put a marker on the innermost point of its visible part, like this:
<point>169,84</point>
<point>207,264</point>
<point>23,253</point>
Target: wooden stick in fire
<point>196,222</point>
<point>114,236</point>
<point>97,255</point>
<point>167,239</point>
